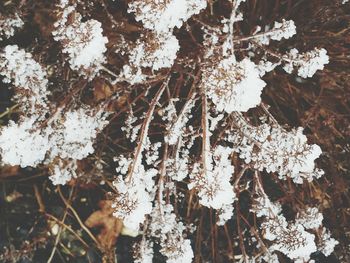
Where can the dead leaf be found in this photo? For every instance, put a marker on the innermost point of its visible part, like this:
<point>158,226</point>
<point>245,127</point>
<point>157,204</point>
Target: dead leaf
<point>110,225</point>
<point>8,171</point>
<point>102,90</point>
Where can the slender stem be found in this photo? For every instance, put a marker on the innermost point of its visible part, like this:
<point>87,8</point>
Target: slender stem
<point>206,135</point>
<point>144,132</point>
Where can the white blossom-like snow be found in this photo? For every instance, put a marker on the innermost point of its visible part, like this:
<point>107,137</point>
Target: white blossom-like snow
<point>276,150</point>
<point>132,202</point>
<point>296,243</point>
<point>169,231</point>
<point>156,52</point>
<point>62,172</point>
<point>307,63</point>
<point>311,218</point>
<point>29,144</point>
<point>164,15</point>
<point>213,185</point>
<point>327,243</point>
<point>21,144</point>
<point>286,29</point>
<point>74,137</point>
<point>82,41</point>
<point>8,25</point>
<point>224,214</point>
<point>19,68</point>
<point>232,85</point>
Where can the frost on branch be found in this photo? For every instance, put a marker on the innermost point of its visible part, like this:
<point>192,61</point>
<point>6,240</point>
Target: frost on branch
<point>30,143</point>
<point>232,85</point>
<point>177,166</point>
<point>29,78</point>
<point>164,15</point>
<point>176,123</point>
<point>82,41</point>
<point>286,29</point>
<point>163,173</point>
<point>288,238</point>
<point>307,63</point>
<point>8,25</point>
<point>134,194</point>
<point>276,150</point>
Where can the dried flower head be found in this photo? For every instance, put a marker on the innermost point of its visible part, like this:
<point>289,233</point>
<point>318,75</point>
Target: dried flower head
<point>8,25</point>
<point>63,171</point>
<point>232,85</point>
<point>21,144</point>
<point>155,51</point>
<point>164,15</point>
<point>213,183</point>
<point>29,78</point>
<point>82,41</point>
<point>286,29</point>
<point>276,150</point>
<point>307,63</point>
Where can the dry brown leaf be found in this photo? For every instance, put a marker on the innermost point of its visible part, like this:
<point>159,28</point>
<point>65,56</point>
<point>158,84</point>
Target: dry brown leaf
<point>110,225</point>
<point>102,90</point>
<point>8,171</point>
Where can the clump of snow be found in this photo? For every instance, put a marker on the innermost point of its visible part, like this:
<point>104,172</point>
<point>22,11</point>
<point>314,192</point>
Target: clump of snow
<point>326,243</point>
<point>276,150</point>
<point>296,243</point>
<point>224,214</point>
<point>164,15</point>
<point>232,85</point>
<point>307,63</point>
<point>265,66</point>
<point>165,227</point>
<point>82,41</point>
<point>286,29</point>
<point>21,144</point>
<point>29,144</point>
<point>310,218</point>
<point>132,202</point>
<point>8,25</point>
<point>19,68</point>
<point>156,51</point>
<point>183,252</point>
<point>290,238</point>
<point>213,183</point>
<point>74,136</point>
<point>62,172</point>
